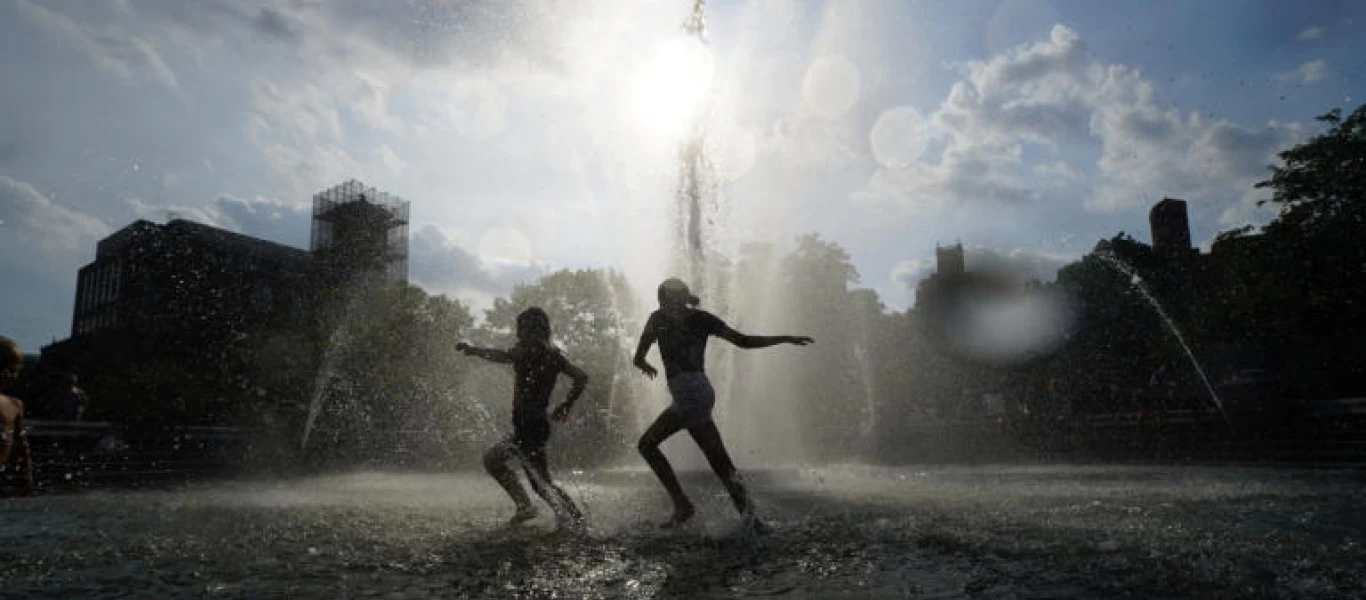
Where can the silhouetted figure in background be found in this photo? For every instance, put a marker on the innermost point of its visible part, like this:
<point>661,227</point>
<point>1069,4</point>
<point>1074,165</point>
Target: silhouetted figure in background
<point>70,402</point>
<point>13,437</point>
<point>682,331</point>
<point>536,364</point>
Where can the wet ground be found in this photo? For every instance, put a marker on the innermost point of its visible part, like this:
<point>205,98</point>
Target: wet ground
<point>839,532</point>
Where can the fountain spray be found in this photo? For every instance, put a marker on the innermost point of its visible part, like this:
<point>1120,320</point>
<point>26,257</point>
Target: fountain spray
<point>1137,281</point>
<point>695,172</point>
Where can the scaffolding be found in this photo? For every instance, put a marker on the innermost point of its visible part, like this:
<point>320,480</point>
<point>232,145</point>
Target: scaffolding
<point>359,229</point>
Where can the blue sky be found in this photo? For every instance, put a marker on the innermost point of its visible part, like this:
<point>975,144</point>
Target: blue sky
<point>530,136</point>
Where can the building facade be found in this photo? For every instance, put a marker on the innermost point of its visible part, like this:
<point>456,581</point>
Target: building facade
<point>150,277</point>
<point>1170,226</point>
<point>159,309</point>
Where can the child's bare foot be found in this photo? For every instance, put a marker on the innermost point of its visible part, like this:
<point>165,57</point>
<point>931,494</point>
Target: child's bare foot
<point>570,523</point>
<point>756,525</point>
<point>680,516</point>
<point>523,514</point>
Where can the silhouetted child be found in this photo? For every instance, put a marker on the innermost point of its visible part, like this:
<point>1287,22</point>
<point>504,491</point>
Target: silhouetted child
<point>13,437</point>
<point>536,364</point>
<point>682,333</point>
<point>70,402</point>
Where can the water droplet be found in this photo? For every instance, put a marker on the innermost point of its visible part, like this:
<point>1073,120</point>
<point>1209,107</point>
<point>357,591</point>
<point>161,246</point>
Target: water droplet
<point>899,137</point>
<point>831,86</point>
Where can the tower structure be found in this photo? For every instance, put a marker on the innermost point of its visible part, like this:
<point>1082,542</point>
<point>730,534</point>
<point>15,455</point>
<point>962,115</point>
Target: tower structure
<point>1170,227</point>
<point>949,260</point>
<point>358,231</point>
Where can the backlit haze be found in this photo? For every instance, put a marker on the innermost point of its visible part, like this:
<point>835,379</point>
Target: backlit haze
<point>531,136</point>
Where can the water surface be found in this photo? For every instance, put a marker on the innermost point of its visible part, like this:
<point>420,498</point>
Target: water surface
<point>849,531</point>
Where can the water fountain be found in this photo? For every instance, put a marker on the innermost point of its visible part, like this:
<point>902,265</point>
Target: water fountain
<point>337,343</point>
<point>747,414</point>
<point>853,531</point>
<point>696,176</point>
<point>1139,284</point>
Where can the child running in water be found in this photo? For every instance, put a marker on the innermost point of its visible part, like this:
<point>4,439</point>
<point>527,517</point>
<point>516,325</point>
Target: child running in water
<point>13,437</point>
<point>536,364</point>
<point>682,333</point>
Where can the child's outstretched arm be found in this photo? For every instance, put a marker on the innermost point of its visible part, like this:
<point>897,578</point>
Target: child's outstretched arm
<point>489,354</point>
<point>751,342</point>
<point>580,382</point>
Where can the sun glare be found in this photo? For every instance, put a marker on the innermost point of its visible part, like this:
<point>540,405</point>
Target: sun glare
<point>671,85</point>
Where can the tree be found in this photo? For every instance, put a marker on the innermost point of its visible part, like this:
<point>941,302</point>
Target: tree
<point>1321,189</point>
<point>382,370</point>
<point>835,385</point>
<point>1322,182</point>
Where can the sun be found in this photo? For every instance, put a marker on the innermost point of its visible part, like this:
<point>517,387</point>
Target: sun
<point>671,85</point>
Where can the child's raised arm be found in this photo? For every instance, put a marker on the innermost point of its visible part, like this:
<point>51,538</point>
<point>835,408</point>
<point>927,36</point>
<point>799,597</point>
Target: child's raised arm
<point>489,354</point>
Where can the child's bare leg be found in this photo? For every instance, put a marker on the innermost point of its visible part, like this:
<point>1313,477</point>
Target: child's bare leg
<point>668,423</point>
<point>496,463</point>
<point>538,473</point>
<point>708,438</point>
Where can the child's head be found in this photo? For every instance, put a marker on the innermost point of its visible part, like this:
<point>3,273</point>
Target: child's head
<point>674,293</point>
<point>533,325</point>
<point>11,361</point>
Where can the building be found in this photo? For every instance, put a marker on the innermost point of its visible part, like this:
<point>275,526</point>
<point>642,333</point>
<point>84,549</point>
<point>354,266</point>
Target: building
<point>164,302</point>
<point>1171,232</point>
<point>950,268</point>
<point>949,261</point>
<point>150,277</point>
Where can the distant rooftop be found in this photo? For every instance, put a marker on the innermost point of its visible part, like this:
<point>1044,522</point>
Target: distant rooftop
<point>212,236</point>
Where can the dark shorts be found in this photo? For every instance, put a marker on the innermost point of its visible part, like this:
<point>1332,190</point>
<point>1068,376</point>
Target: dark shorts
<point>693,398</point>
<point>530,434</point>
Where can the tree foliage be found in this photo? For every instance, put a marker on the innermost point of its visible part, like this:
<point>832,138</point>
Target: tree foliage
<point>1322,182</point>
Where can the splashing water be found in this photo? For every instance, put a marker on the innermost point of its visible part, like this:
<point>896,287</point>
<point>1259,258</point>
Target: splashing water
<point>323,382</point>
<point>1137,281</point>
<point>868,423</point>
<point>764,430</point>
<point>696,182</point>
<point>337,343</point>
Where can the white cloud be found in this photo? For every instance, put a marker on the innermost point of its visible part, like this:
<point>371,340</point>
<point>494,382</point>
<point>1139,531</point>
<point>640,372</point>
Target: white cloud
<point>1313,71</point>
<point>1059,173</point>
<point>391,160</point>
<point>302,109</point>
<point>1311,33</point>
<point>1247,211</point>
<point>909,273</point>
<point>40,235</point>
<point>441,264</point>
<point>831,86</point>
<point>109,47</point>
<point>268,218</point>
<point>307,168</point>
<point>1055,95</point>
